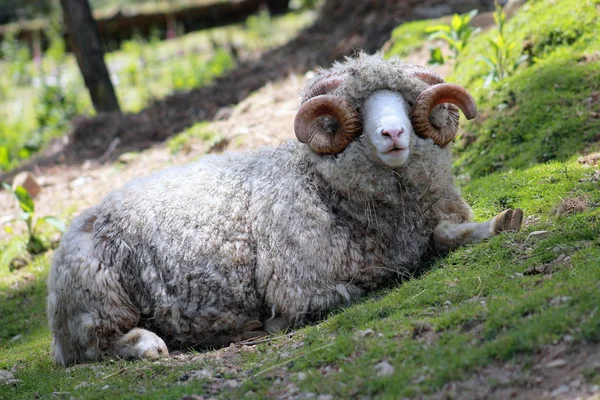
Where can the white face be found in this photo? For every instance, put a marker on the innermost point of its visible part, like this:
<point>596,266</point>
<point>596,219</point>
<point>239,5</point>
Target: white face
<point>387,125</point>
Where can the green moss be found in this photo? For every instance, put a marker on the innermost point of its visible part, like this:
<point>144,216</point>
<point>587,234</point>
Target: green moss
<point>545,111</point>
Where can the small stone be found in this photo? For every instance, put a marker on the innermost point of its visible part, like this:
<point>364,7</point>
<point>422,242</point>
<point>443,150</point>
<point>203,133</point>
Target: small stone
<point>366,332</point>
<point>82,385</point>
<point>568,338</point>
<point>562,389</point>
<point>324,397</point>
<point>197,374</point>
<point>28,181</point>
<point>559,300</point>
<point>127,158</point>
<point>384,368</point>
<point>231,384</point>
<point>301,376</point>
<point>538,235</point>
<point>559,362</point>
<point>7,378</point>
<point>16,337</point>
<point>82,180</point>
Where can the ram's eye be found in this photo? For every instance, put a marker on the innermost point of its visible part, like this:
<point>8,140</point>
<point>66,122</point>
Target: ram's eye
<point>411,103</point>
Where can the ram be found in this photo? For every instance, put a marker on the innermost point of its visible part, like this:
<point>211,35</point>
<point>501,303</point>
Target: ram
<point>237,244</point>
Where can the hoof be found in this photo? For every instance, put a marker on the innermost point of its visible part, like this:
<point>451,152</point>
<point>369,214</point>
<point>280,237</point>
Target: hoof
<point>507,221</point>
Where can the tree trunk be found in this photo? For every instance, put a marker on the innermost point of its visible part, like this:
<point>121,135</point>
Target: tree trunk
<point>87,47</point>
<point>278,6</point>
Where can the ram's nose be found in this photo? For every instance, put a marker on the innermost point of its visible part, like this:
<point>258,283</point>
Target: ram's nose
<point>392,133</point>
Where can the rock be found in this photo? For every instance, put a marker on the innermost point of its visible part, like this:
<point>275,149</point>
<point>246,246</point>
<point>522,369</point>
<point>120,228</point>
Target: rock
<point>202,374</point>
<point>223,113</point>
<point>127,158</point>
<point>538,235</point>
<point>28,181</point>
<point>559,362</point>
<point>384,368</point>
<point>8,379</point>
<point>231,384</point>
<point>301,376</point>
<point>366,332</point>
<point>324,397</point>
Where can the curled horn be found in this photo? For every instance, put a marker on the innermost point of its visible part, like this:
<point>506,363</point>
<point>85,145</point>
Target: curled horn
<point>439,93</point>
<point>323,86</point>
<point>308,126</point>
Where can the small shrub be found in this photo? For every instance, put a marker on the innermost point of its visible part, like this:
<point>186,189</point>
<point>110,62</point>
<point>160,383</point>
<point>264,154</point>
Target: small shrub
<point>502,60</point>
<point>18,58</point>
<point>260,26</point>
<point>200,131</point>
<point>457,35</point>
<point>36,242</point>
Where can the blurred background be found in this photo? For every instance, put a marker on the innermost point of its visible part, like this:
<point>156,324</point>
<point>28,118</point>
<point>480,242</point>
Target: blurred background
<point>147,50</point>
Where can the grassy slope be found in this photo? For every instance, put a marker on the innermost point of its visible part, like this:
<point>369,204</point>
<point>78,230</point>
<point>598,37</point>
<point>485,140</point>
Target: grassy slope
<point>486,298</point>
<point>544,111</point>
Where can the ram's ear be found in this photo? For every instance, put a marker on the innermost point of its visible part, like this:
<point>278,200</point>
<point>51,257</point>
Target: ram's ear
<point>427,75</point>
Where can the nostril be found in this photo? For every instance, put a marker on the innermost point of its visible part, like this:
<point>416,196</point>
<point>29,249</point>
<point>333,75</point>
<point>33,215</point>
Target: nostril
<point>392,133</point>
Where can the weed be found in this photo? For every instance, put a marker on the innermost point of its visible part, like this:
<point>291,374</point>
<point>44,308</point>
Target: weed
<point>502,60</point>
<point>408,37</point>
<point>36,242</point>
<point>200,131</point>
<point>457,35</point>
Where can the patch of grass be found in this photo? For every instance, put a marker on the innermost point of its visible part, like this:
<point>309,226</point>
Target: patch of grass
<point>409,37</point>
<point>546,109</point>
<point>484,298</point>
<point>200,131</point>
<point>477,305</point>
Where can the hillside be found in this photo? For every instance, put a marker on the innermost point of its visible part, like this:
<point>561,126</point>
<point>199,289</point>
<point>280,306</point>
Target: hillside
<point>514,317</point>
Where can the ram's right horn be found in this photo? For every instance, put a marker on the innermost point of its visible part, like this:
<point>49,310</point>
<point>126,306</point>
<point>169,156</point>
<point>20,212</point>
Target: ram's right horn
<point>429,98</point>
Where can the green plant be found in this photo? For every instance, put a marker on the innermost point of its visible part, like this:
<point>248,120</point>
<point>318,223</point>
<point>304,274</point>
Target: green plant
<point>260,26</point>
<point>457,35</point>
<point>304,4</point>
<point>201,131</point>
<point>18,58</point>
<point>36,242</point>
<point>502,59</point>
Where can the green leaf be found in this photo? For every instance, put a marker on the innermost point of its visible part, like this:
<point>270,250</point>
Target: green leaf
<point>25,216</point>
<point>441,35</point>
<point>55,222</point>
<point>456,22</point>
<point>470,15</point>
<point>435,28</point>
<point>25,200</point>
<point>4,156</point>
<point>435,56</point>
<point>493,43</point>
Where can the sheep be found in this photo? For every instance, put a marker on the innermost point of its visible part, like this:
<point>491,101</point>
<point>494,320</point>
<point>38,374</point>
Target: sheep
<point>235,245</point>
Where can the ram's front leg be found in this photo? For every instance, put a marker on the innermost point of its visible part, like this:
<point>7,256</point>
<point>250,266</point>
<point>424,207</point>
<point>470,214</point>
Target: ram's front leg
<point>447,235</point>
